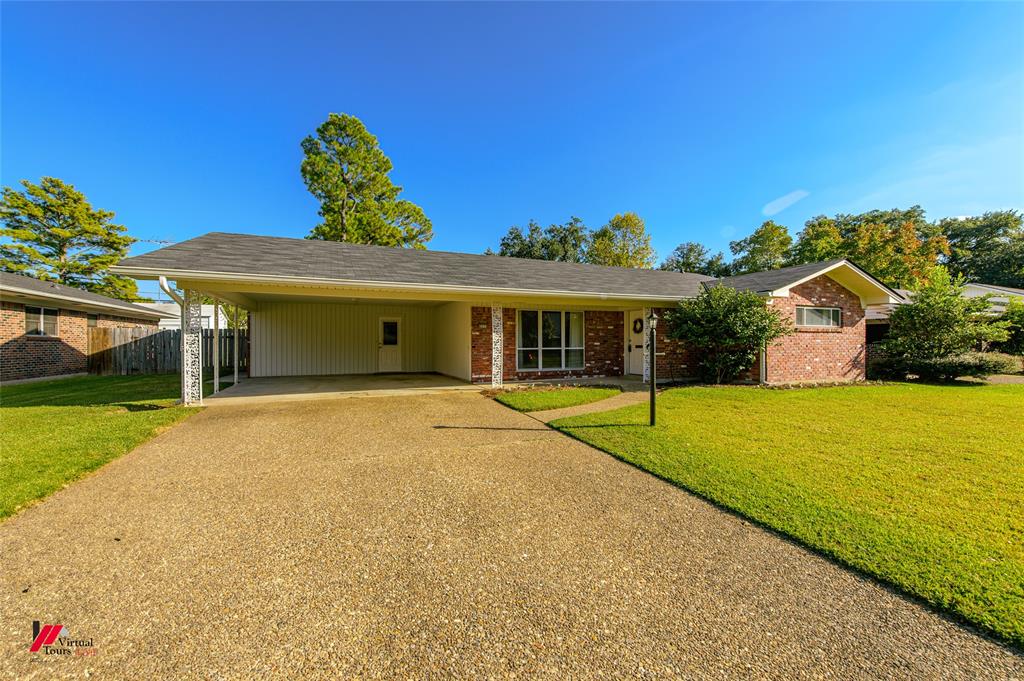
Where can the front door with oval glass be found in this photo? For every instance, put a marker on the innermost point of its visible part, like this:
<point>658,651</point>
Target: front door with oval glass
<point>389,344</point>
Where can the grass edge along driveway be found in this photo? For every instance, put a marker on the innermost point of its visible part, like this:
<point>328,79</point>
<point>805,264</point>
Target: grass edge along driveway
<point>55,432</point>
<point>542,399</point>
<point>920,486</point>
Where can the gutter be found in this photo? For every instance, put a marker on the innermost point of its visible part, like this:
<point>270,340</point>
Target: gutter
<point>140,272</point>
<point>139,311</point>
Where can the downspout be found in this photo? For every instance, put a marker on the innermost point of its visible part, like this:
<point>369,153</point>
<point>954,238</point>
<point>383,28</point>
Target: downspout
<point>165,287</point>
<point>763,365</point>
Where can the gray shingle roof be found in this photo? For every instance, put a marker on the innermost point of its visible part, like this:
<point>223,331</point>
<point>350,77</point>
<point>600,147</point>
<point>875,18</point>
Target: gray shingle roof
<point>16,283</point>
<point>774,279</point>
<point>1008,289</point>
<point>218,252</point>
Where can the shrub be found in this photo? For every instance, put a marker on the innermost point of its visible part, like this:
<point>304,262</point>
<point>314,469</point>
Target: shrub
<point>729,327</point>
<point>973,364</point>
<point>940,323</point>
<point>1014,318</point>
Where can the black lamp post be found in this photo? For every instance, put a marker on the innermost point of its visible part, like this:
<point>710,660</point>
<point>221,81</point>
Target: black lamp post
<point>652,323</point>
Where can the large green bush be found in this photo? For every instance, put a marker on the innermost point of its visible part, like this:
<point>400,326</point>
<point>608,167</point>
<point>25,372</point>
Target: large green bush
<point>935,335</point>
<point>1014,318</point>
<point>729,327</point>
<point>975,364</point>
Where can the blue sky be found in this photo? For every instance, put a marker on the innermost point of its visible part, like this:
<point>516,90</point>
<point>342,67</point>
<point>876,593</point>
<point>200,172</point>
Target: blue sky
<point>187,117</point>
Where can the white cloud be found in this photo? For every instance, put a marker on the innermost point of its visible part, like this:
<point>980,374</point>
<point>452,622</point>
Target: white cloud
<point>783,202</point>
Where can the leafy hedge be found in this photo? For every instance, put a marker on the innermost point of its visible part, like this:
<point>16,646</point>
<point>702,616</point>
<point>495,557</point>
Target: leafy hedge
<point>974,364</point>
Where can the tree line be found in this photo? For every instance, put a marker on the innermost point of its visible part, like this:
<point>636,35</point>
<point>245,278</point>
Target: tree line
<point>50,231</point>
<point>899,246</point>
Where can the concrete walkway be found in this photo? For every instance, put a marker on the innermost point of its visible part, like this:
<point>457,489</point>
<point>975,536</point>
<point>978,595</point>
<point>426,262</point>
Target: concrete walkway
<point>438,536</point>
<point>623,399</point>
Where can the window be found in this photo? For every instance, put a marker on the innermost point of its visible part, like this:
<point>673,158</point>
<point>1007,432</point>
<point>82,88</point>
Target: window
<point>41,321</point>
<point>819,316</point>
<point>549,339</point>
<point>91,319</point>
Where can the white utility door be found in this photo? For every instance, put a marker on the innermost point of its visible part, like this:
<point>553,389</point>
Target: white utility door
<point>389,344</point>
<point>635,342</point>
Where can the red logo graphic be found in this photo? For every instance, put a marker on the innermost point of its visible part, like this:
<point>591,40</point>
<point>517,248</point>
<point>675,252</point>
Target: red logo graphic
<point>44,636</point>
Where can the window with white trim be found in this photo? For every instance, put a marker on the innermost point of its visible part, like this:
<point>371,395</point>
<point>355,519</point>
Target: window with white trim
<point>41,321</point>
<point>819,316</point>
<point>549,340</point>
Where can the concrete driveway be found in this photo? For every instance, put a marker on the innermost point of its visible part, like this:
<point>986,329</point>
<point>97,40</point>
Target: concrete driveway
<point>432,535</point>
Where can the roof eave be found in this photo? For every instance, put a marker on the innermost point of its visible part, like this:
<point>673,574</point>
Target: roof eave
<point>355,284</point>
<point>71,303</point>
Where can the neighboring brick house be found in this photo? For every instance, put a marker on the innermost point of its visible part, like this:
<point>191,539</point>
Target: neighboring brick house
<point>44,326</point>
<point>323,308</point>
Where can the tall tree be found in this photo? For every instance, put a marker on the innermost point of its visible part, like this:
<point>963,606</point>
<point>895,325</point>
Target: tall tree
<point>987,248</point>
<point>819,240</point>
<point>691,256</point>
<point>898,246</point>
<point>623,242</point>
<point>766,249</point>
<point>56,235</point>
<point>565,243</point>
<point>345,169</point>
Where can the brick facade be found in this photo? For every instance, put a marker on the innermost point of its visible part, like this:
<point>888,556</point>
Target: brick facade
<point>23,356</point>
<point>820,354</point>
<point>810,355</point>
<point>603,352</point>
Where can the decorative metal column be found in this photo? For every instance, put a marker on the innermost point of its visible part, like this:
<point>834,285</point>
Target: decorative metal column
<point>647,345</point>
<point>234,352</point>
<point>497,346</point>
<point>216,346</point>
<point>192,348</point>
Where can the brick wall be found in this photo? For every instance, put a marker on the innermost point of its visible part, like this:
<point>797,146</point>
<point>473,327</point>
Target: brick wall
<point>674,360</point>
<point>810,355</point>
<point>602,356</point>
<point>820,354</point>
<point>23,356</point>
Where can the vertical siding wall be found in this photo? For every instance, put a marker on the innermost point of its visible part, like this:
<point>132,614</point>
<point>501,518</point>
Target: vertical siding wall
<point>451,340</point>
<point>310,339</point>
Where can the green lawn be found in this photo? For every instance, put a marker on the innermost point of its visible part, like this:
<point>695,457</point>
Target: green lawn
<point>53,432</point>
<point>921,486</point>
<point>552,398</point>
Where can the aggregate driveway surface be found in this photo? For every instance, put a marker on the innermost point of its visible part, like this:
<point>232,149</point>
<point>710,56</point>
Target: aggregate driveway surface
<point>433,535</point>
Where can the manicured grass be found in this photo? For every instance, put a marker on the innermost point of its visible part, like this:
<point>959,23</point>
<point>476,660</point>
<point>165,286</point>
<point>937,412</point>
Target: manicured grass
<point>53,432</point>
<point>921,486</point>
<point>552,398</point>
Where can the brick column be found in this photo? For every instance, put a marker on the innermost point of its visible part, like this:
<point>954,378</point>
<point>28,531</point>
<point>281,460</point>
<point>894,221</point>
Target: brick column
<point>497,346</point>
<point>192,348</point>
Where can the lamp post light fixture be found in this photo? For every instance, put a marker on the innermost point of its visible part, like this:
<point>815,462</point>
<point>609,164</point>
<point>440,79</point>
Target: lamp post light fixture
<point>652,324</point>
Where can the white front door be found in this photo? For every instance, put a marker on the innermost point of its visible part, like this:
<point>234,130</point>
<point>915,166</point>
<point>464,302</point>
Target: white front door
<point>635,342</point>
<point>389,344</point>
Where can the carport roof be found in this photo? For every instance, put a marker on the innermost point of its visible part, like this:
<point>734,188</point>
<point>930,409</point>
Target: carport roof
<point>278,259</point>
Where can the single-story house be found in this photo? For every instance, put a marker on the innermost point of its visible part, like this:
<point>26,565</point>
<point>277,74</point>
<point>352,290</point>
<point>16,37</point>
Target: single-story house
<point>206,315</point>
<point>878,315</point>
<point>44,326</point>
<point>325,308</point>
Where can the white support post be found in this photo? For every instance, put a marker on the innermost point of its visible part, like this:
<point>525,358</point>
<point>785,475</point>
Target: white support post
<point>216,346</point>
<point>192,348</point>
<point>647,345</point>
<point>234,335</point>
<point>497,346</point>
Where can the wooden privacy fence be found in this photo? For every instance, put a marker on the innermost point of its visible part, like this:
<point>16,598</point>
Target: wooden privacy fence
<point>153,351</point>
